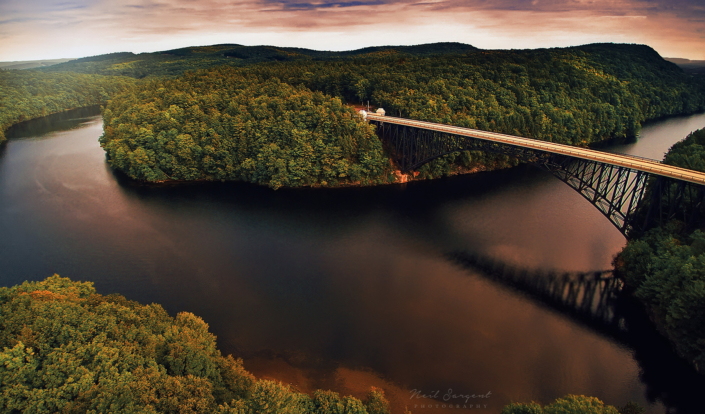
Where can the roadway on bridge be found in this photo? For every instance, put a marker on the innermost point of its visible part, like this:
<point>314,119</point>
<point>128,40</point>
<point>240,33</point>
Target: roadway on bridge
<point>636,163</point>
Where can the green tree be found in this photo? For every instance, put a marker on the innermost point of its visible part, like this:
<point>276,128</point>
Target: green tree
<point>67,349</point>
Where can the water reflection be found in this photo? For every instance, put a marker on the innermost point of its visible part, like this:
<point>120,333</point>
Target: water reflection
<point>588,297</point>
<point>657,137</point>
<point>62,121</point>
<point>595,300</point>
<point>319,286</point>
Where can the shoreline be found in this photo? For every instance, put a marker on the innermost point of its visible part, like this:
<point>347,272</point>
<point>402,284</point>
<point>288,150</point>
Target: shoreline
<point>3,132</point>
<point>402,178</point>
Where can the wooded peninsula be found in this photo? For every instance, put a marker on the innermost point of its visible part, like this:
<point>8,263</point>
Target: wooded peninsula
<point>283,117</point>
<point>255,123</point>
<point>68,349</point>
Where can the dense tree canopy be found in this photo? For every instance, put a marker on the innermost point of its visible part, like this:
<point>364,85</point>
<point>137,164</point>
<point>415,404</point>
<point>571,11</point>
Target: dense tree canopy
<point>29,94</point>
<point>574,96</point>
<point>175,62</point>
<point>66,349</point>
<point>568,404</point>
<point>666,268</point>
<point>221,124</point>
<point>688,153</point>
<point>572,404</point>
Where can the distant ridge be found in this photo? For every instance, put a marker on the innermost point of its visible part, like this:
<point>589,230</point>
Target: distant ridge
<point>680,61</point>
<point>695,67</point>
<point>174,62</point>
<point>101,58</point>
<point>247,52</point>
<point>31,64</point>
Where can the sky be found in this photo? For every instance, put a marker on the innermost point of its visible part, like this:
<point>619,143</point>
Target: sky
<point>52,29</point>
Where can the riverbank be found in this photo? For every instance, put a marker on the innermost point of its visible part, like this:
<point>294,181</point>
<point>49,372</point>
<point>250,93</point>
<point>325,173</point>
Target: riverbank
<point>665,269</point>
<point>357,278</point>
<point>30,94</point>
<point>288,125</point>
<point>172,364</point>
<point>13,129</point>
<point>142,359</point>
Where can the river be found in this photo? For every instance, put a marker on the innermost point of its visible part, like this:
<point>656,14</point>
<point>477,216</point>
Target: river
<point>352,287</point>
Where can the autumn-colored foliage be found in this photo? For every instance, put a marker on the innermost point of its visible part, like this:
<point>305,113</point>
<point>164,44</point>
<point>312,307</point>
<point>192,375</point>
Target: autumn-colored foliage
<point>67,349</point>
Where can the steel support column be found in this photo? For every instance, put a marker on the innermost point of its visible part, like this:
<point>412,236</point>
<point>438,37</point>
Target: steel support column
<point>617,192</point>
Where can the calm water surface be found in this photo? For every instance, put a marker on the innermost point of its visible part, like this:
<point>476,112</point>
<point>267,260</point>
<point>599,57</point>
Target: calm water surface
<point>345,288</point>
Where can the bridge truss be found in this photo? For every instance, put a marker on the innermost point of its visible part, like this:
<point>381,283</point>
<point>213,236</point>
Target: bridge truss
<point>591,297</point>
<point>618,192</point>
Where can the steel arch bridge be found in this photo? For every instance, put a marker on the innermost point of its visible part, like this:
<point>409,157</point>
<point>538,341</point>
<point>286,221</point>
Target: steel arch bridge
<point>634,193</point>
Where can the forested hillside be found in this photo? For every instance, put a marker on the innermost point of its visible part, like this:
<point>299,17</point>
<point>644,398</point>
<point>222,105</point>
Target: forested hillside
<point>666,268</point>
<point>223,124</point>
<point>575,96</point>
<point>30,94</point>
<point>66,349</point>
<point>176,62</point>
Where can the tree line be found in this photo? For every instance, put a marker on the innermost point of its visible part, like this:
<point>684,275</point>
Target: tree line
<point>576,96</point>
<point>29,94</point>
<point>665,268</point>
<point>224,124</point>
<point>66,349</point>
<point>573,404</point>
<point>170,63</point>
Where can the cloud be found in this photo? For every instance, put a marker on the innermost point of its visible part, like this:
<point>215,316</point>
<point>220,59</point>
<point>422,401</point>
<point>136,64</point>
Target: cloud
<point>21,20</point>
<point>294,5</point>
<point>675,28</point>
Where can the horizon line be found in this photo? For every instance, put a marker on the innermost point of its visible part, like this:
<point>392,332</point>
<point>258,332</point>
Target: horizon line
<point>345,50</point>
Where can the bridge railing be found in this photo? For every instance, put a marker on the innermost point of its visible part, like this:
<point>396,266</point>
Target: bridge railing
<point>636,156</point>
<point>629,161</point>
<point>614,183</point>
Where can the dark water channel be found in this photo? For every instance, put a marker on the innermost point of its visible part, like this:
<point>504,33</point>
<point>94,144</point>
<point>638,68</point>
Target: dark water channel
<point>346,288</point>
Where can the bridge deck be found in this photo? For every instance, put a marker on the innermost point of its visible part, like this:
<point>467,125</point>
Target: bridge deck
<point>641,164</point>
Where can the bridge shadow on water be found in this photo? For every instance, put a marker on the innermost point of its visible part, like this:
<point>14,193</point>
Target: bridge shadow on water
<point>596,300</point>
<point>593,300</point>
